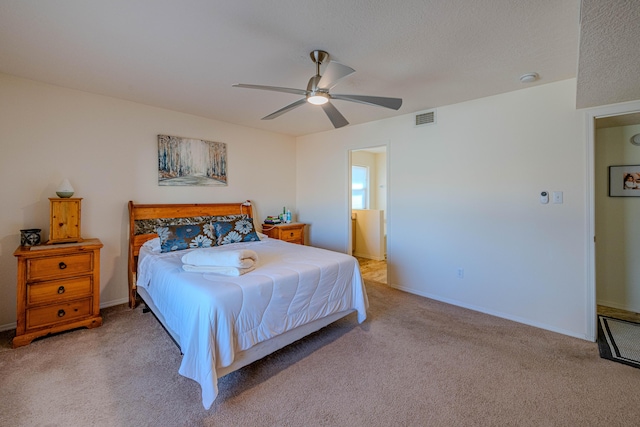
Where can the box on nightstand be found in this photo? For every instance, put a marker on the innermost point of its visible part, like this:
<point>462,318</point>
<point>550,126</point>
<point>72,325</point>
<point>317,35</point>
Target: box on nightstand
<point>64,220</point>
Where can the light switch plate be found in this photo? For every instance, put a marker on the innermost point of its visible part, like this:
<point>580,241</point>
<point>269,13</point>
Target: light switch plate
<point>557,197</point>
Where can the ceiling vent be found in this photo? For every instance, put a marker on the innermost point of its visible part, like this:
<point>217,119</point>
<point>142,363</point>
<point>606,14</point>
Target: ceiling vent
<point>426,118</point>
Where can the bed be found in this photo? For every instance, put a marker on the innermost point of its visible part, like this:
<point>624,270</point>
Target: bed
<point>222,322</point>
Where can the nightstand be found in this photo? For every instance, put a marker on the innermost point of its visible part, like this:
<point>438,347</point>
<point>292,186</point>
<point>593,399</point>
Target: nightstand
<point>292,233</point>
<point>58,289</point>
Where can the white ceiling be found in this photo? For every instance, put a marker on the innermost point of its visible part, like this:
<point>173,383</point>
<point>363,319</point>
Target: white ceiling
<point>609,63</point>
<point>186,55</point>
<point>616,121</point>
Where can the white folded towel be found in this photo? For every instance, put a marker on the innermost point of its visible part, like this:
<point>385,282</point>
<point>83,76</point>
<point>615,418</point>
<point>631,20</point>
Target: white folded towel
<point>210,257</point>
<point>224,271</point>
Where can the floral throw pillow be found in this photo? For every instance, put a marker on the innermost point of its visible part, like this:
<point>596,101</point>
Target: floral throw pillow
<point>149,226</point>
<point>239,230</point>
<point>187,236</point>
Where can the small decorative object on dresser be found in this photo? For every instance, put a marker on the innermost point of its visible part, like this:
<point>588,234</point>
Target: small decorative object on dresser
<point>30,237</point>
<point>64,220</point>
<point>58,289</point>
<point>292,233</point>
<point>65,189</point>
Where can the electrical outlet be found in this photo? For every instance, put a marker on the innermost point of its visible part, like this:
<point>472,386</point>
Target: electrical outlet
<point>460,273</point>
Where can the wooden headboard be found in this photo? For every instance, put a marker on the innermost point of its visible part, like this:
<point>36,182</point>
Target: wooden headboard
<point>141,212</point>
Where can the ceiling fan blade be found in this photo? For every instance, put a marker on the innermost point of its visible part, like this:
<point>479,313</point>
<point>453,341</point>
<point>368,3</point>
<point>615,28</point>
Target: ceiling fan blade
<point>335,72</point>
<point>273,88</point>
<point>378,101</point>
<point>285,109</point>
<point>334,115</point>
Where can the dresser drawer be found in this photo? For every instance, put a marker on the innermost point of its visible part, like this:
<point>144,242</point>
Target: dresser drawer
<point>59,266</point>
<point>59,290</point>
<point>292,235</point>
<point>57,313</point>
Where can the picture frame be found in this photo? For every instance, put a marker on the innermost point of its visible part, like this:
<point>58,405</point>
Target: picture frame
<point>624,181</point>
<point>191,162</point>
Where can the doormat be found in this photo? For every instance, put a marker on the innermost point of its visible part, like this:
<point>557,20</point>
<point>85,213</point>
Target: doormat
<point>619,340</point>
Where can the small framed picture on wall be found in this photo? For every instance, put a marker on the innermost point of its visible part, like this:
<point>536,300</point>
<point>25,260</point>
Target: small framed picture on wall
<point>624,181</point>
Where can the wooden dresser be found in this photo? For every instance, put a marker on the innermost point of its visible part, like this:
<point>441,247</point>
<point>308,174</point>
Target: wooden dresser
<point>293,232</point>
<point>58,289</point>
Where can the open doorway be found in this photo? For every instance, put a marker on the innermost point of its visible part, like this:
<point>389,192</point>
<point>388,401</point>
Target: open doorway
<point>368,210</point>
<point>598,118</point>
<point>616,209</point>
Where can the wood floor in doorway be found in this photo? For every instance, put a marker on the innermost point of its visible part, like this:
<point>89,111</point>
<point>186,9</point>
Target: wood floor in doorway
<point>619,314</point>
<point>373,270</point>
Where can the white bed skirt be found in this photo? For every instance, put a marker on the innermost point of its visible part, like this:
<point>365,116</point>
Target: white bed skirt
<point>260,350</point>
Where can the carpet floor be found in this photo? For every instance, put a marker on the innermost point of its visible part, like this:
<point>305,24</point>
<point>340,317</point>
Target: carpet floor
<point>619,340</point>
<point>413,362</point>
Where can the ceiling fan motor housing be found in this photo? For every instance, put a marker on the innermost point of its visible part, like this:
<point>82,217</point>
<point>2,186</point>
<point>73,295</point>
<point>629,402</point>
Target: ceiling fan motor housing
<point>315,95</point>
<point>312,86</point>
<point>319,56</point>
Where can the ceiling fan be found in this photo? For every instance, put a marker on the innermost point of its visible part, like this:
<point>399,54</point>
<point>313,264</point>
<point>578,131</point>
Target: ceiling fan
<point>317,91</point>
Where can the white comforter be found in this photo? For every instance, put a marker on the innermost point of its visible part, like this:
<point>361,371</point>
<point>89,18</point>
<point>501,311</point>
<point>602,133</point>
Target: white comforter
<point>216,316</point>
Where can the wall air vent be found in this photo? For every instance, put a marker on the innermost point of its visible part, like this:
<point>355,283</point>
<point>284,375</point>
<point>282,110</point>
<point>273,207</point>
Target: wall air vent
<point>426,118</point>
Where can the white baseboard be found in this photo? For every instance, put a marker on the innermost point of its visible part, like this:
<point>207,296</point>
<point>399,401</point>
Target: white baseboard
<point>8,326</point>
<point>114,302</point>
<point>497,314</point>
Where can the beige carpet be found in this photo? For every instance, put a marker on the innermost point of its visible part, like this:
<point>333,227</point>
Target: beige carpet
<point>414,362</point>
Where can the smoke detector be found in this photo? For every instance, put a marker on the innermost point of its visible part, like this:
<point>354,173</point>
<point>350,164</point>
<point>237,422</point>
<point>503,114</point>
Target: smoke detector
<point>529,77</point>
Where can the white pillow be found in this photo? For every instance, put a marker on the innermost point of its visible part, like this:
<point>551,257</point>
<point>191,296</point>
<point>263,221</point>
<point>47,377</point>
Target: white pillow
<point>153,244</point>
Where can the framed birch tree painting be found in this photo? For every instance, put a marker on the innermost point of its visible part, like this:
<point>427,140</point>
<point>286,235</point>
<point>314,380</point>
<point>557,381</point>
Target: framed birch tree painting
<point>191,162</point>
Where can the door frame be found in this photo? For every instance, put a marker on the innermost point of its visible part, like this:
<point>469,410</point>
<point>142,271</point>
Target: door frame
<point>591,116</point>
<point>387,191</point>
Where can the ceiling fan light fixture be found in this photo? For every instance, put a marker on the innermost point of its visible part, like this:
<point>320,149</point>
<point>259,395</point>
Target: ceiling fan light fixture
<point>318,98</point>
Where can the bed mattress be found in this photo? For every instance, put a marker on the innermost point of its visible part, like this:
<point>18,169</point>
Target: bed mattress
<point>215,316</point>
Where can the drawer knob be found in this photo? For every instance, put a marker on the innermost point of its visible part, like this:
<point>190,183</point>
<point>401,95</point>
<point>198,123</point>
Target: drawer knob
<point>62,265</point>
<point>61,313</point>
<point>291,235</point>
<point>61,290</point>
